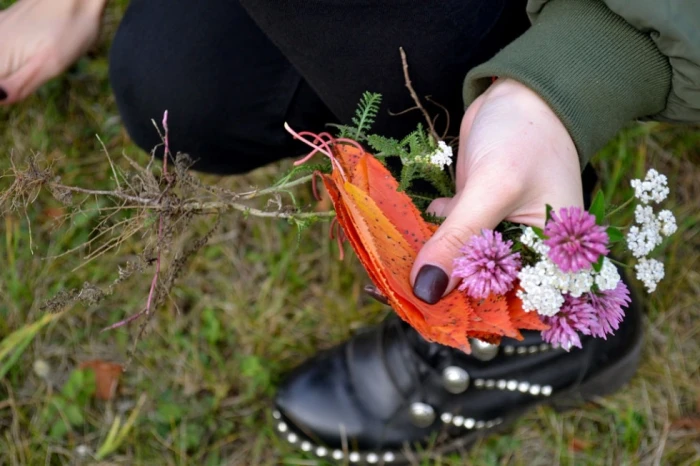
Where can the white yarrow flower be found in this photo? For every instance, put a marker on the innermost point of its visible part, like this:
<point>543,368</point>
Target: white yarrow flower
<point>608,277</point>
<point>654,187</point>
<point>644,215</point>
<point>642,241</point>
<point>529,238</point>
<point>577,283</point>
<point>442,156</point>
<point>650,272</point>
<point>539,288</point>
<point>668,222</point>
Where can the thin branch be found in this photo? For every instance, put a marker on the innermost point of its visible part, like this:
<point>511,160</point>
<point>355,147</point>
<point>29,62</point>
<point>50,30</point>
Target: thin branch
<point>273,189</point>
<point>407,78</point>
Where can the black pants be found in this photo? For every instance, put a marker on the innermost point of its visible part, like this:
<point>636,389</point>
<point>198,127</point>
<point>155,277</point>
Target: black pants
<point>230,73</point>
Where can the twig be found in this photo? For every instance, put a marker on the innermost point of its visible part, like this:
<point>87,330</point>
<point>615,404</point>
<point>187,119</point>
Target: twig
<point>274,189</point>
<point>447,115</point>
<point>407,78</point>
<point>111,164</point>
<point>154,281</point>
<point>199,207</point>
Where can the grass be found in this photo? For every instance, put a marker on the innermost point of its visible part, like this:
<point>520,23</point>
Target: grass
<point>199,385</point>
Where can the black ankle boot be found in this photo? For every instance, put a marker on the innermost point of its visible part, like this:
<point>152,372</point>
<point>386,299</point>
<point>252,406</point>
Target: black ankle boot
<point>386,390</point>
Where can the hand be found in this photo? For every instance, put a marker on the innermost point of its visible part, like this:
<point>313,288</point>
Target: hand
<point>514,157</point>
<point>40,39</point>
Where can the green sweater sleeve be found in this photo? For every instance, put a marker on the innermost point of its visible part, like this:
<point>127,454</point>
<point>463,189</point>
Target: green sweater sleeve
<point>595,70</point>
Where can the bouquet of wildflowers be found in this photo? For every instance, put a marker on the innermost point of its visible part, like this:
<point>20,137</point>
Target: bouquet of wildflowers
<point>563,272</point>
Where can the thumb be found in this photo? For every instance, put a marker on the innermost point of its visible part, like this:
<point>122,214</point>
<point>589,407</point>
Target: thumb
<point>23,81</point>
<point>475,208</point>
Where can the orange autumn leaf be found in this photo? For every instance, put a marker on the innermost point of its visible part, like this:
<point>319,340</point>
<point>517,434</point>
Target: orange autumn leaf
<point>107,376</point>
<point>387,231</point>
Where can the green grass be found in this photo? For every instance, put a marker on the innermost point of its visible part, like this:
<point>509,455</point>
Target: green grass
<point>255,302</point>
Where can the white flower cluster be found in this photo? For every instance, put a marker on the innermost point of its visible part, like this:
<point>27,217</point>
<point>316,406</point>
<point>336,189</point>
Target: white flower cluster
<point>442,156</point>
<point>654,187</point>
<point>644,237</point>
<point>544,284</point>
<point>650,272</point>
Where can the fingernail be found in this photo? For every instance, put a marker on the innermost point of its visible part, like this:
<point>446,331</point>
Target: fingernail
<point>430,284</point>
<point>3,94</point>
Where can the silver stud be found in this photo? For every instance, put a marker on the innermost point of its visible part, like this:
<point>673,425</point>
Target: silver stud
<point>544,347</point>
<point>372,458</point>
<point>532,349</point>
<point>388,457</point>
<point>282,427</point>
<point>354,457</point>
<point>482,350</point>
<point>422,414</point>
<point>337,455</point>
<point>458,421</point>
<point>512,385</point>
<point>534,390</point>
<point>469,423</point>
<point>446,417</point>
<point>276,414</point>
<point>478,383</point>
<point>480,424</point>
<point>321,452</point>
<point>490,383</point>
<point>305,446</point>
<point>292,438</point>
<point>508,350</point>
<point>521,350</point>
<point>455,379</point>
<point>523,387</point>
<point>547,390</point>
<point>502,384</point>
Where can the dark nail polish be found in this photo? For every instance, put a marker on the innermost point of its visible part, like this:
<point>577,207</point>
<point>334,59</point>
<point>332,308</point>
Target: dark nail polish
<point>430,284</point>
<point>3,94</point>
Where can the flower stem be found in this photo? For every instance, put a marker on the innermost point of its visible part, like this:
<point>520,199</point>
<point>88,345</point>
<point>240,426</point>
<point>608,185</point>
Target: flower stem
<point>620,207</point>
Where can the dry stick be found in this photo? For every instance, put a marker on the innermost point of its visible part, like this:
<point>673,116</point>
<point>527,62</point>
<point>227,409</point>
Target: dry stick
<point>414,96</point>
<point>447,115</point>
<point>154,282</point>
<point>205,207</point>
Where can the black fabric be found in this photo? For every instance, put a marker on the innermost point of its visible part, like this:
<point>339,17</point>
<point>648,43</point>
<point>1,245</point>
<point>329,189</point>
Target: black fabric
<point>230,75</point>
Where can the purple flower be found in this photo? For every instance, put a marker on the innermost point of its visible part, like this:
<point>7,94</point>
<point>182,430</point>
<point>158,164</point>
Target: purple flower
<point>576,315</point>
<point>487,266</point>
<point>608,306</point>
<point>575,241</point>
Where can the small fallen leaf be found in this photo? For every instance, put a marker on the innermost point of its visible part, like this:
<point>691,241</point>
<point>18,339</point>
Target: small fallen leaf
<point>689,423</point>
<point>106,376</point>
<point>577,444</point>
<point>54,213</point>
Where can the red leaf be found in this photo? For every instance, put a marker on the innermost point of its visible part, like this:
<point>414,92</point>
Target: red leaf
<point>106,376</point>
<point>386,230</point>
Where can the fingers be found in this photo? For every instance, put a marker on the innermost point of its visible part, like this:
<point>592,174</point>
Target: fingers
<point>475,208</point>
<point>24,81</point>
<point>440,207</point>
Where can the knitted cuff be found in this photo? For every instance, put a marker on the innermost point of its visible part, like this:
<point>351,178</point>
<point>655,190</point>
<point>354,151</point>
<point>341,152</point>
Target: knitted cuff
<point>594,69</point>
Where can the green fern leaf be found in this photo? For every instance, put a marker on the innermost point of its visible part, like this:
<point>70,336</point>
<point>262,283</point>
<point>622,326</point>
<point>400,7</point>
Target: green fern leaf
<point>366,113</point>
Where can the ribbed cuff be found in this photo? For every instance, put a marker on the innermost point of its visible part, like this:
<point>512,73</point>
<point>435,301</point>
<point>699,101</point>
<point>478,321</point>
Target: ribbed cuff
<point>594,69</point>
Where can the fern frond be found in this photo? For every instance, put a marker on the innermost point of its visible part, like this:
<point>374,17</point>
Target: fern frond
<point>385,147</point>
<point>440,179</point>
<point>366,113</point>
<point>344,131</point>
<point>408,173</point>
